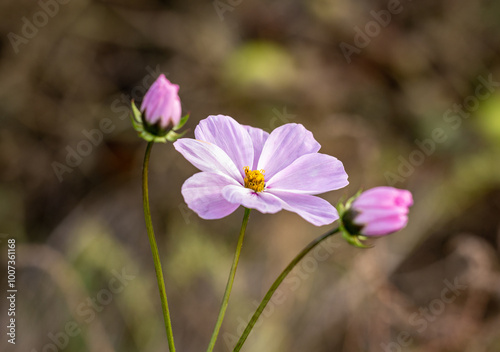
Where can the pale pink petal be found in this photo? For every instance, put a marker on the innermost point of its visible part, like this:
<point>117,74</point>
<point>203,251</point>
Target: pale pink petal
<point>153,110</point>
<point>202,193</point>
<point>385,225</point>
<point>161,102</point>
<point>259,137</point>
<point>230,136</point>
<point>262,201</point>
<point>367,216</point>
<point>312,174</point>
<point>174,115</point>
<point>311,208</point>
<point>384,197</point>
<point>207,157</point>
<point>285,144</point>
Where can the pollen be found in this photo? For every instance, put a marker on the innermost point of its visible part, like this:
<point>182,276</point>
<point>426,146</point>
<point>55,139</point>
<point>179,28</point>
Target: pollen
<point>254,179</point>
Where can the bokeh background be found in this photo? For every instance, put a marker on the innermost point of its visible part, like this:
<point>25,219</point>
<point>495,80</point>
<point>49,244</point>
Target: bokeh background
<point>404,93</point>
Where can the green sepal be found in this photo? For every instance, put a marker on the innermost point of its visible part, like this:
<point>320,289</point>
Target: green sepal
<point>148,137</point>
<point>182,122</point>
<point>173,136</point>
<point>138,124</point>
<point>354,239</point>
<point>136,118</point>
<point>353,198</point>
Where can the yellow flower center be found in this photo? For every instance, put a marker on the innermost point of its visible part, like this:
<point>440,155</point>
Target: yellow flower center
<point>254,179</point>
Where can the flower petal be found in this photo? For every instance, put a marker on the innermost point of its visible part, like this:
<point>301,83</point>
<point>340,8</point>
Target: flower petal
<point>311,174</point>
<point>202,193</point>
<point>285,144</point>
<point>262,201</point>
<point>370,215</point>
<point>380,197</point>
<point>174,114</point>
<point>385,226</point>
<point>230,136</point>
<point>313,209</point>
<point>259,137</point>
<point>159,102</point>
<point>152,111</point>
<point>207,157</point>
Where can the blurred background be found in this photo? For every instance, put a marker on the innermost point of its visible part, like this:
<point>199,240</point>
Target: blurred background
<point>404,93</point>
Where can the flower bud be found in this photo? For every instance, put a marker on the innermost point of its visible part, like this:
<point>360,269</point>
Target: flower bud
<point>378,212</point>
<point>161,106</point>
<point>160,115</point>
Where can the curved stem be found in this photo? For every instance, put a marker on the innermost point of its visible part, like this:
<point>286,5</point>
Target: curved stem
<point>154,250</point>
<point>229,286</point>
<point>277,283</point>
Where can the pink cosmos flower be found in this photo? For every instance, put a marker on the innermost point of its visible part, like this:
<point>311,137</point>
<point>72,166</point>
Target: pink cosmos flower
<point>161,104</point>
<point>242,165</point>
<point>381,210</point>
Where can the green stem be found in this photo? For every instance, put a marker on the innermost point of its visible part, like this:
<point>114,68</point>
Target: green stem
<point>277,283</point>
<point>154,250</point>
<point>229,286</point>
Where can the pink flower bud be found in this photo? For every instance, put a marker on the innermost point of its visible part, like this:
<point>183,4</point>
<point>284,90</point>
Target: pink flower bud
<point>380,211</point>
<point>161,105</point>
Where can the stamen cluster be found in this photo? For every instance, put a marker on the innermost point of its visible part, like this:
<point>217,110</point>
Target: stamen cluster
<point>254,179</point>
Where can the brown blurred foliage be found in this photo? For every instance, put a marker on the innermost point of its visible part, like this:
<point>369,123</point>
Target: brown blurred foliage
<point>406,105</point>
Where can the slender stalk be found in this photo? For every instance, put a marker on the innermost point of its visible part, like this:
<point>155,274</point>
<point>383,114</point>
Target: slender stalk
<point>229,286</point>
<point>154,250</point>
<point>277,283</point>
